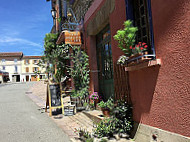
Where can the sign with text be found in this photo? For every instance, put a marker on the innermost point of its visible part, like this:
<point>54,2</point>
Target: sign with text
<point>73,38</point>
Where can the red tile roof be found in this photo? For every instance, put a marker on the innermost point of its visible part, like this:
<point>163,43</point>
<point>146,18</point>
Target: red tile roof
<point>32,57</point>
<point>11,54</point>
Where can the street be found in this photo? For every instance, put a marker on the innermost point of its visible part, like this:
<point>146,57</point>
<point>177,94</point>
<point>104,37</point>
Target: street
<point>21,120</point>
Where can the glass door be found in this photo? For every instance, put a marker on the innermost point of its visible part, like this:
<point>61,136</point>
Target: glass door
<point>105,64</point>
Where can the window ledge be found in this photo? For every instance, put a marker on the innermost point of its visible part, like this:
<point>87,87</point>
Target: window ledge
<point>142,65</point>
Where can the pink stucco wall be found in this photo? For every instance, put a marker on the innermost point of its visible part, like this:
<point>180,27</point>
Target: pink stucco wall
<point>116,23</point>
<point>161,95</point>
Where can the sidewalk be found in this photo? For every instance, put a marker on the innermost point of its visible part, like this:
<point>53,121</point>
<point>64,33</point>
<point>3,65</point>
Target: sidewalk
<point>67,123</point>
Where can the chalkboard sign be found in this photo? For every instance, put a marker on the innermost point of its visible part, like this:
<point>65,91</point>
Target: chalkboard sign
<point>55,95</point>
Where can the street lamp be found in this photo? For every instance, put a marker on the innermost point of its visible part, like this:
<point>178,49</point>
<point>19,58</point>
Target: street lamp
<point>53,13</point>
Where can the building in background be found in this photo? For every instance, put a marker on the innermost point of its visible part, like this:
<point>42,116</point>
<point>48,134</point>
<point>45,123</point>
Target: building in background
<point>11,63</point>
<point>31,71</point>
<point>15,67</point>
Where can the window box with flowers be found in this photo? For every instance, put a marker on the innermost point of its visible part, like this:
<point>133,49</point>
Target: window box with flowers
<point>135,53</point>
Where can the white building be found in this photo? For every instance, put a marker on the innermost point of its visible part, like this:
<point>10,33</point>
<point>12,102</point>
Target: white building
<point>11,63</point>
<point>21,68</point>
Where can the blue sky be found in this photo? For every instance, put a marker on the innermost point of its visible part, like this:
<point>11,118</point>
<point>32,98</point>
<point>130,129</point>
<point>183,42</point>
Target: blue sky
<point>23,25</point>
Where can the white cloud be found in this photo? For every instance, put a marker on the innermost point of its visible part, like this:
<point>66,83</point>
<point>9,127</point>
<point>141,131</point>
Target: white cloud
<point>13,40</point>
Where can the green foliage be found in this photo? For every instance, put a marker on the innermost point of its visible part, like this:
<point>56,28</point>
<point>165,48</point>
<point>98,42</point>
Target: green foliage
<point>103,140</point>
<point>122,60</point>
<point>109,104</point>
<point>55,55</point>
<point>126,37</point>
<point>120,122</point>
<point>50,43</point>
<point>80,71</point>
<point>84,135</point>
<point>123,117</point>
<point>105,128</point>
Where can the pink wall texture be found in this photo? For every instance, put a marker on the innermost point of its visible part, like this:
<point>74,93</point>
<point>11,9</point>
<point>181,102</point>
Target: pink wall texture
<point>161,95</point>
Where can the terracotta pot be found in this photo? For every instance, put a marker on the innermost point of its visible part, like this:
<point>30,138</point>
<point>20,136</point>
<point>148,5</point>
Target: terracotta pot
<point>106,112</point>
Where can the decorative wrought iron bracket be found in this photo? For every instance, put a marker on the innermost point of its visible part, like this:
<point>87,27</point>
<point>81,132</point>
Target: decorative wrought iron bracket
<point>68,25</point>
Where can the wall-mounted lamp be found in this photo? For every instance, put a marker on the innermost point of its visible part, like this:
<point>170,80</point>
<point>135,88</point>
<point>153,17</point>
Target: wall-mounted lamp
<point>53,13</point>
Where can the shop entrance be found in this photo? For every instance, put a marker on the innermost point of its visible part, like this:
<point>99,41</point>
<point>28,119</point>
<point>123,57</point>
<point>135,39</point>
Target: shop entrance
<point>27,78</point>
<point>16,78</point>
<point>33,78</point>
<point>105,64</point>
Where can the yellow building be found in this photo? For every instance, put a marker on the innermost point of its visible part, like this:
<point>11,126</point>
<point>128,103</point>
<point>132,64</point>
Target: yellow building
<point>31,71</point>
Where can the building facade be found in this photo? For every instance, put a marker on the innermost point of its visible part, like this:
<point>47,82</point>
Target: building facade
<point>158,89</point>
<point>11,63</point>
<point>31,71</point>
<point>20,68</point>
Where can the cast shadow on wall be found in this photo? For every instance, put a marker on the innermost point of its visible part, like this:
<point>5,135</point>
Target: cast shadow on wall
<point>142,85</point>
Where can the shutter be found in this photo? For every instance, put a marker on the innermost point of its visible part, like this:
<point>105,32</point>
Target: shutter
<point>33,69</point>
<point>24,61</point>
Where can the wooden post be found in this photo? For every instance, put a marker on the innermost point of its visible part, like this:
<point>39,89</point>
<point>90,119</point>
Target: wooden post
<point>50,109</point>
<point>61,99</point>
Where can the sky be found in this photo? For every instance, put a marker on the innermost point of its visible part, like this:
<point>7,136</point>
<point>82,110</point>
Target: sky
<point>23,25</point>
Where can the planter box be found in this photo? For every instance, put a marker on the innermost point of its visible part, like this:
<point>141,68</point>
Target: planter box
<point>138,58</point>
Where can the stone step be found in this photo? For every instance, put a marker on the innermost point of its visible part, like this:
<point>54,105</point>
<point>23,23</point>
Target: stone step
<point>96,115</point>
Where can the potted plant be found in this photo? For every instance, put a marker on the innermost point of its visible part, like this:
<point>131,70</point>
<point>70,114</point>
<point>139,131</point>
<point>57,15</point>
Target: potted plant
<point>127,43</point>
<point>106,107</point>
<point>94,98</point>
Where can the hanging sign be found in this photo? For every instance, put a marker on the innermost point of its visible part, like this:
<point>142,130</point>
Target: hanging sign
<point>70,37</point>
<point>73,38</point>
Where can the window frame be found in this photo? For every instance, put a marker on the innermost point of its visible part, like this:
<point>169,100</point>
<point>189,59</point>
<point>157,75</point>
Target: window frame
<point>15,60</point>
<point>148,12</point>
<point>16,68</point>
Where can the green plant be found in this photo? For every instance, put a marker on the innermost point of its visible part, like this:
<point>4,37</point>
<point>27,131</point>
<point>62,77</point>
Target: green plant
<point>103,140</point>
<point>84,135</point>
<point>126,37</point>
<point>80,71</point>
<point>122,60</point>
<point>94,96</point>
<point>108,104</point>
<point>120,122</point>
<point>105,128</point>
<point>55,55</point>
<point>139,48</point>
<point>123,117</point>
